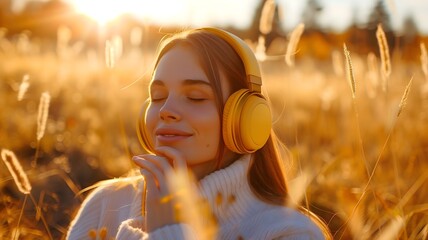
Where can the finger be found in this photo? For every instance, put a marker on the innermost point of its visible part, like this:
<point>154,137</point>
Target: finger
<point>160,161</point>
<point>152,192</point>
<point>173,154</point>
<point>152,168</point>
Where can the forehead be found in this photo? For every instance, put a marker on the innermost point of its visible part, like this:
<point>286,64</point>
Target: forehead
<point>178,63</point>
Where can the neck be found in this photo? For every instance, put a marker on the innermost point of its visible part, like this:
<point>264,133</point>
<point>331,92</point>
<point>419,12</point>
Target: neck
<point>203,169</point>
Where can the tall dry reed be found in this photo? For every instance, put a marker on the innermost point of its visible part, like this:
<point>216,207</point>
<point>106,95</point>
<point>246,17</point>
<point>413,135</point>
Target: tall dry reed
<point>292,44</point>
<point>42,119</point>
<point>392,230</point>
<point>424,61</point>
<point>384,56</point>
<point>266,19</point>
<point>15,169</point>
<point>261,49</point>
<point>109,54</point>
<point>21,180</point>
<point>350,72</point>
<point>23,87</point>
<point>403,101</point>
<point>372,75</point>
<point>43,114</point>
<point>113,51</point>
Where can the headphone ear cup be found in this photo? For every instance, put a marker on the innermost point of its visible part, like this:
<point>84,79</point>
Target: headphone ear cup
<point>247,122</point>
<point>142,132</point>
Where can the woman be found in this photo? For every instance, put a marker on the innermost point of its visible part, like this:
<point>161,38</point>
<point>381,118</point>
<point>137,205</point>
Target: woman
<point>213,170</point>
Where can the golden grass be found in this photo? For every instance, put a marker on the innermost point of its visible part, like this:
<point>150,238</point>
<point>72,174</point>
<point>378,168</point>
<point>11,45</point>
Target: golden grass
<point>43,114</point>
<point>266,19</point>
<point>403,101</point>
<point>384,55</point>
<point>350,71</point>
<point>93,109</point>
<point>424,60</point>
<point>292,44</point>
<point>19,176</point>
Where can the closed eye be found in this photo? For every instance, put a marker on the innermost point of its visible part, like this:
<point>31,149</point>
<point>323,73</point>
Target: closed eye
<point>157,99</point>
<point>196,99</point>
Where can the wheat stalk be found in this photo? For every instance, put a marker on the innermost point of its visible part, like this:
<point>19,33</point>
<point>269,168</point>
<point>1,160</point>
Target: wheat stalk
<point>424,60</point>
<point>109,54</point>
<point>350,75</point>
<point>261,49</point>
<point>43,115</point>
<point>292,45</point>
<point>117,47</point>
<point>15,169</point>
<point>23,87</point>
<point>198,213</point>
<point>393,229</point>
<point>372,75</point>
<point>298,188</point>
<point>403,101</point>
<point>266,18</point>
<point>136,36</point>
<point>384,54</point>
<point>42,119</point>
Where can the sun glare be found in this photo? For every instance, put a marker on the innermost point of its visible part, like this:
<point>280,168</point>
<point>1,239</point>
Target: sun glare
<point>161,11</point>
<point>100,10</point>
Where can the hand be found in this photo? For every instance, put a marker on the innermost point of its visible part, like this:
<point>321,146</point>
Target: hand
<point>161,203</point>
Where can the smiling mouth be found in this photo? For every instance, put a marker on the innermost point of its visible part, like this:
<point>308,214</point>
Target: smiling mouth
<point>170,138</point>
<point>171,135</point>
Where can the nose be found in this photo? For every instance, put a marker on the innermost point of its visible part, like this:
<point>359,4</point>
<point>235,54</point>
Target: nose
<point>169,110</point>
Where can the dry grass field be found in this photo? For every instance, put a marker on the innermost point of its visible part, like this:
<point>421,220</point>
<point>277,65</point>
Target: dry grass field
<point>360,163</point>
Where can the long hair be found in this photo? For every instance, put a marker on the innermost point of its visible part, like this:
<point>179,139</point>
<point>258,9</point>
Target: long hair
<point>266,174</point>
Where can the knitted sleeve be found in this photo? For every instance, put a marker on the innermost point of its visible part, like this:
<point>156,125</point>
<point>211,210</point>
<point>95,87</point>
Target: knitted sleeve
<point>301,236</point>
<point>88,216</point>
<point>131,230</point>
<point>281,223</point>
<point>300,229</point>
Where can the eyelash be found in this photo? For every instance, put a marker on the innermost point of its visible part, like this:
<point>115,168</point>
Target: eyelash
<point>197,99</point>
<point>190,98</point>
<point>156,99</point>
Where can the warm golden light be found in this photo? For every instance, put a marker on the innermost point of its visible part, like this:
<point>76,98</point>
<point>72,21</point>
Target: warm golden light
<point>162,11</point>
<point>101,11</point>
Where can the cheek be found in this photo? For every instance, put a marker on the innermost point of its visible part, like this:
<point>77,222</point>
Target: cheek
<point>208,123</point>
<point>150,121</point>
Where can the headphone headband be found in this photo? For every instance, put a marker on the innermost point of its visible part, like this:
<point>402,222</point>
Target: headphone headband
<point>251,65</point>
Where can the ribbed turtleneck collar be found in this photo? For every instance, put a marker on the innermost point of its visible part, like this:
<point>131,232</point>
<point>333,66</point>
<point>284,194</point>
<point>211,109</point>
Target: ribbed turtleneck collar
<point>227,190</point>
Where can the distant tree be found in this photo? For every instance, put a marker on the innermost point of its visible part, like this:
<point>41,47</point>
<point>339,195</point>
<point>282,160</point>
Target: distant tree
<point>409,29</point>
<point>381,16</point>
<point>310,15</point>
<point>409,40</point>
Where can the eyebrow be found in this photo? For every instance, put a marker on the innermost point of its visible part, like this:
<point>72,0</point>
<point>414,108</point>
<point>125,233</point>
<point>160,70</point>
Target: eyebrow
<point>186,82</point>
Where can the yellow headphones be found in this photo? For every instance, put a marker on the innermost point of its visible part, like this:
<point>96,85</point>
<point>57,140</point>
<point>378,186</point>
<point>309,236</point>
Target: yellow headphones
<point>247,119</point>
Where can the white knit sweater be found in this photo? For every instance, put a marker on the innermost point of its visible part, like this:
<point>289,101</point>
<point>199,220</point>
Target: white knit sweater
<point>113,211</point>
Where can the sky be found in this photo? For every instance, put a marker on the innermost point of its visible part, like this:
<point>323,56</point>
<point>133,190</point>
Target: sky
<point>336,14</point>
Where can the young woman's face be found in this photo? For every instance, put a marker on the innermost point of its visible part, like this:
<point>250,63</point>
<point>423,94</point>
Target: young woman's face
<point>183,113</point>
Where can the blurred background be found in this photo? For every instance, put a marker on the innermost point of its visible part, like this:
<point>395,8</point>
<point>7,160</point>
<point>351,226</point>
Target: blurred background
<point>74,74</point>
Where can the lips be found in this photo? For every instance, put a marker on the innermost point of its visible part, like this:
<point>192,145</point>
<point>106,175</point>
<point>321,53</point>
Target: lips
<point>170,135</point>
